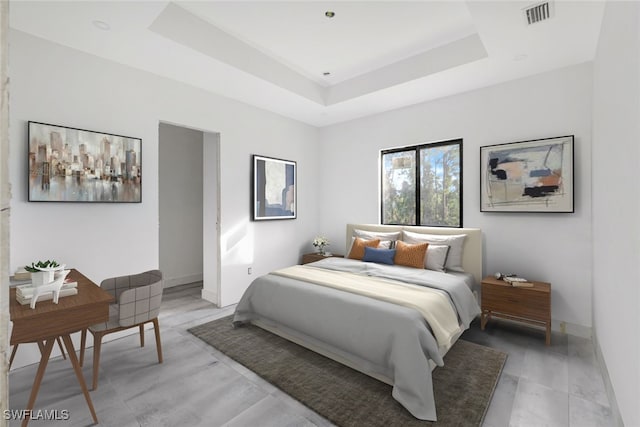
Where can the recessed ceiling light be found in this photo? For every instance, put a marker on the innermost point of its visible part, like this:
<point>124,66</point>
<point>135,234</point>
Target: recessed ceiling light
<point>329,14</point>
<point>102,25</point>
<point>520,57</point>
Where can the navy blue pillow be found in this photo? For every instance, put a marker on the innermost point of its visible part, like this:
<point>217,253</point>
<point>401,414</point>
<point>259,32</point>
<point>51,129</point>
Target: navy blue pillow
<point>381,256</point>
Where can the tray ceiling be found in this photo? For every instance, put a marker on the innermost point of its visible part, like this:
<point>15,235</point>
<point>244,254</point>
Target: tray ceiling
<point>276,55</point>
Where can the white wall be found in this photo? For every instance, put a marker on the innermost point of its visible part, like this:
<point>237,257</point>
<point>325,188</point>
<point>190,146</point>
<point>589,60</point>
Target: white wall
<point>54,84</point>
<point>616,203</point>
<point>180,204</point>
<point>548,247</point>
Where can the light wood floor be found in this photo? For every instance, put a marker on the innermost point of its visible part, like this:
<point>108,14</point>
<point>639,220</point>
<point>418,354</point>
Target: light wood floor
<point>198,386</point>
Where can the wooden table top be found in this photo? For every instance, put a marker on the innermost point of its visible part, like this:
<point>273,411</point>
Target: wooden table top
<point>71,314</point>
<point>537,286</point>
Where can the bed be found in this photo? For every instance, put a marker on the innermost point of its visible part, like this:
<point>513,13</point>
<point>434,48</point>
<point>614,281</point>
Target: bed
<point>392,322</point>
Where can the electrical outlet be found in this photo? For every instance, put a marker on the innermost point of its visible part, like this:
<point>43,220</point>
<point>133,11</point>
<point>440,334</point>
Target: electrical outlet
<point>249,270</point>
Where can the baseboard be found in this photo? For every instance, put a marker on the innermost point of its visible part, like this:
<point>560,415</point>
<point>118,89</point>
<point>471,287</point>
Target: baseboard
<point>571,329</point>
<point>613,403</point>
<point>177,281</point>
<point>210,296</point>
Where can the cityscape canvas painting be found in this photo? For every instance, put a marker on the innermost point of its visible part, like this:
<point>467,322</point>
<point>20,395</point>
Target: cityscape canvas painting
<point>75,165</point>
<point>529,176</point>
<point>274,188</point>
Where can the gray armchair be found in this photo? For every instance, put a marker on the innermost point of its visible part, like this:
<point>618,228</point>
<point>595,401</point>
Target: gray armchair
<point>137,301</point>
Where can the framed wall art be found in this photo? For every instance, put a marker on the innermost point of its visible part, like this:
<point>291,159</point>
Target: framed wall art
<point>528,176</point>
<point>274,188</point>
<point>75,165</point>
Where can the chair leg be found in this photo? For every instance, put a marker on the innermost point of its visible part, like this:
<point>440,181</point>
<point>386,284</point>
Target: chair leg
<point>97,343</point>
<point>142,335</point>
<point>13,354</point>
<point>64,355</point>
<point>83,344</point>
<point>156,328</point>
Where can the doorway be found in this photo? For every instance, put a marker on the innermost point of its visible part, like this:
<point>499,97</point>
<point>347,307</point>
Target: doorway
<point>188,165</point>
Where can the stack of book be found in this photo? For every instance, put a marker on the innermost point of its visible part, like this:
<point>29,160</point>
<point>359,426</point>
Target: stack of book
<point>518,282</point>
<point>22,274</point>
<point>24,293</point>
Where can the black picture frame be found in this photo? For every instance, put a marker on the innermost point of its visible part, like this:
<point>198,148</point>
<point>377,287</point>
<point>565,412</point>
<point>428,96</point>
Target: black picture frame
<point>528,176</point>
<point>274,189</point>
<point>73,165</point>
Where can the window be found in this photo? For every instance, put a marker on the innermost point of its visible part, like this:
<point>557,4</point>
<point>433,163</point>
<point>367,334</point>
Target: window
<point>422,184</point>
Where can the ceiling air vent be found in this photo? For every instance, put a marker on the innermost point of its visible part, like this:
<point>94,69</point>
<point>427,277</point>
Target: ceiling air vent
<point>538,12</point>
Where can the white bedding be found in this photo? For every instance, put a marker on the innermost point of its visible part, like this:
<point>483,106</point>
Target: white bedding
<point>377,337</point>
<point>468,278</point>
<point>434,305</point>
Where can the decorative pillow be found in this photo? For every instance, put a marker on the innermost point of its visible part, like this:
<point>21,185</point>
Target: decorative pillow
<point>410,255</point>
<point>436,257</point>
<point>357,248</point>
<point>384,237</point>
<point>454,241</point>
<point>382,245</point>
<point>380,256</point>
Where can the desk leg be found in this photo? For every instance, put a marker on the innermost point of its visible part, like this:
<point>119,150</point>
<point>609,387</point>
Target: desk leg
<point>76,367</point>
<point>44,359</point>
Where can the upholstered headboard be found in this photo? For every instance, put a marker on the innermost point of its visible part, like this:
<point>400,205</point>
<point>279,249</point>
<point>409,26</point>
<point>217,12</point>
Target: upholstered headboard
<point>471,252</point>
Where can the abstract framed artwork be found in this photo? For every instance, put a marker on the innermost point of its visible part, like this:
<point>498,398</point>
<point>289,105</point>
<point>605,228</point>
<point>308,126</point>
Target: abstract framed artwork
<point>75,165</point>
<point>274,189</point>
<point>528,176</point>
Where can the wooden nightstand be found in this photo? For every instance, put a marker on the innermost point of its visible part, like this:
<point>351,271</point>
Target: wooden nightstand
<point>313,257</point>
<point>530,305</point>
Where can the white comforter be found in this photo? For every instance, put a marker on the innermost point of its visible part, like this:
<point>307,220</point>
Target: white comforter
<point>380,337</point>
<point>433,304</point>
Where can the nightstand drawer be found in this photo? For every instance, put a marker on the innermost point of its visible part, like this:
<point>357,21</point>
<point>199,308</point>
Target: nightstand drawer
<point>521,302</point>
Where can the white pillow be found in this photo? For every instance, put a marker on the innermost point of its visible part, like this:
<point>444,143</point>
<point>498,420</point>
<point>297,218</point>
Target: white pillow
<point>436,257</point>
<point>454,241</point>
<point>382,245</point>
<point>387,240</point>
<point>383,236</point>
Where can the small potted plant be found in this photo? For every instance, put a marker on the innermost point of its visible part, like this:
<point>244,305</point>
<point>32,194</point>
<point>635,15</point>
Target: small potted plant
<point>319,243</point>
<point>42,272</point>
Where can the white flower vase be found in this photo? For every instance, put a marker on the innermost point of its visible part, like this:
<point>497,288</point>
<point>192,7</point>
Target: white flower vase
<point>40,278</point>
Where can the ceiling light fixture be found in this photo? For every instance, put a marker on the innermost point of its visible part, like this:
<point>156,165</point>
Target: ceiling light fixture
<point>102,25</point>
<point>329,14</point>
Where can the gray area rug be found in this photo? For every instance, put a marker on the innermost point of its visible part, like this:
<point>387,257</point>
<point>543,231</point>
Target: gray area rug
<point>463,387</point>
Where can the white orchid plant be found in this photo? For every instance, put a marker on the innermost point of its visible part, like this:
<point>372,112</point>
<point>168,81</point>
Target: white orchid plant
<point>320,242</point>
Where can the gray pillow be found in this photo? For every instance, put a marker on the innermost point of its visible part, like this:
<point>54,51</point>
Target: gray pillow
<point>454,241</point>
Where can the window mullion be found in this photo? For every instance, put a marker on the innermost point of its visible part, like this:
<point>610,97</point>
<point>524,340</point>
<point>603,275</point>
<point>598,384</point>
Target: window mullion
<point>417,184</point>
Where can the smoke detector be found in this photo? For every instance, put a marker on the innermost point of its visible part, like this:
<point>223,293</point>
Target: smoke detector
<point>538,12</point>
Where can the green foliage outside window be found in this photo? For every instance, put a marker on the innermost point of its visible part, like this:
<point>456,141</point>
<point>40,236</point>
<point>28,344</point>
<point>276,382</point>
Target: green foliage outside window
<point>399,188</point>
<point>437,200</point>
